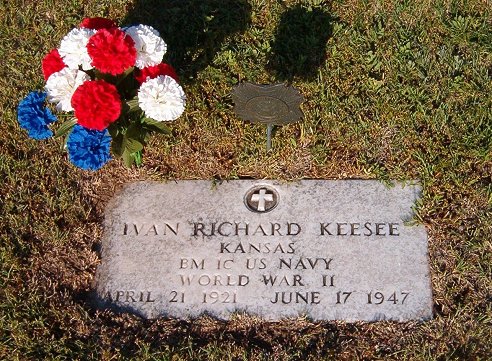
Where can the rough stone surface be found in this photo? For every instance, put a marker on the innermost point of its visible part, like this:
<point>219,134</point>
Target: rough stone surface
<point>328,250</point>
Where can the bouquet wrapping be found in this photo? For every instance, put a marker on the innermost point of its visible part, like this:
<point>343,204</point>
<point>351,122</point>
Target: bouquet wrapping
<point>113,88</point>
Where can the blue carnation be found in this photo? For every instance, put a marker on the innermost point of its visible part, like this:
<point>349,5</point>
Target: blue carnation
<point>34,117</point>
<point>88,149</point>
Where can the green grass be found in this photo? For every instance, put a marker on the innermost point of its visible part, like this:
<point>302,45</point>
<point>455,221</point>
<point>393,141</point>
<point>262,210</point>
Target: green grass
<point>393,90</point>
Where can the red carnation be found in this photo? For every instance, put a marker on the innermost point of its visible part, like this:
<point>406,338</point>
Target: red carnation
<point>154,71</point>
<point>52,63</point>
<point>96,104</point>
<point>97,23</point>
<point>112,51</point>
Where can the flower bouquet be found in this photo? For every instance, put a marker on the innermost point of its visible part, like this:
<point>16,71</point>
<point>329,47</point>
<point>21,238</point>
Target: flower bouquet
<point>115,88</point>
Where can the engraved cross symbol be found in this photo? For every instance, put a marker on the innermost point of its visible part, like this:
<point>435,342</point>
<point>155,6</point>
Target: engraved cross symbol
<point>261,197</point>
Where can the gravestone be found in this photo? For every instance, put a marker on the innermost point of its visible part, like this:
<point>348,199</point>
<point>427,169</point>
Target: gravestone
<point>328,250</point>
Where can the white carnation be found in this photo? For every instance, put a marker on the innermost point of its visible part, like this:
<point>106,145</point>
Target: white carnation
<point>149,44</point>
<point>73,48</point>
<point>161,98</point>
<point>61,85</point>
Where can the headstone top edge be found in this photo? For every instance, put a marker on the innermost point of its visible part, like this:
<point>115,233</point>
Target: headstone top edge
<point>403,183</point>
<point>135,186</point>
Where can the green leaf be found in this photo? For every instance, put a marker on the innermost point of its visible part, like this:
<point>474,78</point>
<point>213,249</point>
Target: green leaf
<point>133,105</point>
<point>113,130</point>
<point>122,77</point>
<point>104,76</point>
<point>117,146</point>
<point>134,131</point>
<point>128,158</point>
<point>138,158</point>
<point>65,127</point>
<point>154,125</point>
<point>133,145</point>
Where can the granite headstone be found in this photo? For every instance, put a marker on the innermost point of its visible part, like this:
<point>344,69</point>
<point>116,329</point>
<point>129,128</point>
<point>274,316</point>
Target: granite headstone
<point>328,250</point>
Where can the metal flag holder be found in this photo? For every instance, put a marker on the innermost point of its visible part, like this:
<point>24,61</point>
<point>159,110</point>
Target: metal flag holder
<point>270,104</point>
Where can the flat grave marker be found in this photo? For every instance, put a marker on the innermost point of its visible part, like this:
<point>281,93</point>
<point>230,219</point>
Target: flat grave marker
<point>328,250</point>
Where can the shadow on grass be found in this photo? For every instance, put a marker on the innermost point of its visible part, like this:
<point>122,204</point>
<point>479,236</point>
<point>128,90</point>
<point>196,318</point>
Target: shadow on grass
<point>193,29</point>
<point>300,42</point>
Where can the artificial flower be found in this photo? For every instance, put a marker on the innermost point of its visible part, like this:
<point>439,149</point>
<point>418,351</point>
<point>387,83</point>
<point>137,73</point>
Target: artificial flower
<point>95,73</point>
<point>149,44</point>
<point>96,104</point>
<point>161,98</point>
<point>97,23</point>
<point>88,149</point>
<point>112,51</point>
<point>61,85</point>
<point>152,72</point>
<point>73,48</point>
<point>52,63</point>
<point>34,117</point>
